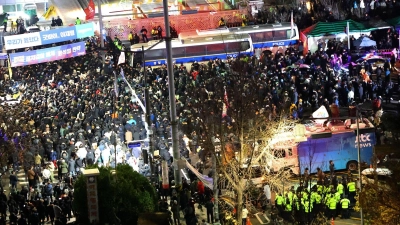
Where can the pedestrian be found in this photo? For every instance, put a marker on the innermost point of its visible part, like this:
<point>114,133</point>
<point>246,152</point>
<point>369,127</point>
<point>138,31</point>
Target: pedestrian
<point>331,168</point>
<point>245,213</point>
<point>31,177</point>
<point>210,211</point>
<point>13,180</point>
<point>143,31</point>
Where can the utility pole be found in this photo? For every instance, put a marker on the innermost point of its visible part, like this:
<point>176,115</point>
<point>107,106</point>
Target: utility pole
<point>172,102</point>
<point>359,159</point>
<point>147,102</point>
<point>100,23</point>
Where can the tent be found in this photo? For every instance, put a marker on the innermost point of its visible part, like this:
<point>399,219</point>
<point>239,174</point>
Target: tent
<point>364,42</point>
<point>331,30</point>
<point>395,22</point>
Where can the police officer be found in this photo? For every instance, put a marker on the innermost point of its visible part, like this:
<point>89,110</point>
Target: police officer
<point>5,22</point>
<point>279,203</point>
<point>345,203</point>
<point>331,204</point>
<point>351,187</point>
<point>77,21</point>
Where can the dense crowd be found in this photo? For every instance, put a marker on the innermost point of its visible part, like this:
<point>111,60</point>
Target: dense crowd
<point>71,115</point>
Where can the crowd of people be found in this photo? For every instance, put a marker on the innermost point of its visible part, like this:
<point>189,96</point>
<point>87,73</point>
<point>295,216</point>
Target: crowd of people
<point>71,115</point>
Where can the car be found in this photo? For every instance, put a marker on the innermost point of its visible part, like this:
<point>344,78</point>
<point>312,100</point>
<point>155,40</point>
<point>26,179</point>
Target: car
<point>382,175</point>
<point>390,160</point>
<point>374,61</point>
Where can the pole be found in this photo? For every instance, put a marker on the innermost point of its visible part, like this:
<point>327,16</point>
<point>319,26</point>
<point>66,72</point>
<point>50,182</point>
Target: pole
<point>147,102</point>
<point>215,183</point>
<point>172,102</point>
<point>100,23</point>
<point>348,35</point>
<point>359,161</point>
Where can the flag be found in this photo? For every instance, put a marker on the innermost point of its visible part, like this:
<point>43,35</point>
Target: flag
<point>347,31</point>
<point>292,34</point>
<point>347,28</point>
<point>122,74</point>
<point>226,101</point>
<point>9,69</point>
<point>51,11</point>
<point>121,58</point>
<point>115,85</point>
<point>225,104</point>
<point>90,10</point>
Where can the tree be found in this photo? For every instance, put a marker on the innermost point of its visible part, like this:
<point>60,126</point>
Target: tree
<point>122,196</point>
<point>380,200</point>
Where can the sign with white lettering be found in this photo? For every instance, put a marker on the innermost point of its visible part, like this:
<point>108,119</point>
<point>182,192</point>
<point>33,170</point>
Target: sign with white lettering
<point>84,30</point>
<point>47,54</point>
<point>58,35</point>
<point>48,36</point>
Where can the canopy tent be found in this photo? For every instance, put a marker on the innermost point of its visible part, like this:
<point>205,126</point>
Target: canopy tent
<point>323,31</point>
<point>364,42</point>
<point>338,27</point>
<point>395,22</point>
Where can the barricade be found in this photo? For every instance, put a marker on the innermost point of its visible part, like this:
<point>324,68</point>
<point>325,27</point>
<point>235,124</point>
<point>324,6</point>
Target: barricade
<point>181,23</point>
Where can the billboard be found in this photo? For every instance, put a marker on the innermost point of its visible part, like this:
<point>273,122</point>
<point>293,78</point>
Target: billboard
<point>48,36</point>
<point>47,54</point>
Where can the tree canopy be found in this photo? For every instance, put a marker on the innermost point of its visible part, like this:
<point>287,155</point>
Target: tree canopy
<point>121,196</point>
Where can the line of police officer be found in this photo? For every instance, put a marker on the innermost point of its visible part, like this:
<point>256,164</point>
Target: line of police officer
<point>329,200</point>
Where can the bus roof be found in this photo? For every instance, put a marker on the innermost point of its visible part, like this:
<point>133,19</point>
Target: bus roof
<point>257,28</point>
<point>213,38</point>
<point>192,40</point>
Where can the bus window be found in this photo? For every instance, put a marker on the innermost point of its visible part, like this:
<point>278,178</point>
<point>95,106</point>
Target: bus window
<point>195,50</point>
<point>238,46</point>
<point>234,46</point>
<point>216,49</point>
<point>290,152</point>
<point>279,35</point>
<point>290,33</point>
<point>178,52</point>
<point>245,45</point>
<point>279,153</point>
<point>155,54</point>
<point>257,37</point>
<point>268,36</point>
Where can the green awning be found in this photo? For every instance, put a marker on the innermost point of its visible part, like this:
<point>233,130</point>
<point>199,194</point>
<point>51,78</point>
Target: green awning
<point>329,28</point>
<point>394,21</point>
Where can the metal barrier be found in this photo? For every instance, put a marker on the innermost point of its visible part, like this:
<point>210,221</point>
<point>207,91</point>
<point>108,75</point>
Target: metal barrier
<point>199,21</point>
<point>381,52</point>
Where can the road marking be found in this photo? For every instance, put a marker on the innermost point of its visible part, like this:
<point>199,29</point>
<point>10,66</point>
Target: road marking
<point>260,220</point>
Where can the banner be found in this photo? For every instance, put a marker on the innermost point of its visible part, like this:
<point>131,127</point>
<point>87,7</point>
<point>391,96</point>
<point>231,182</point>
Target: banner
<point>48,36</point>
<point>208,181</point>
<point>22,41</point>
<point>57,35</point>
<point>84,30</point>
<point>89,11</point>
<point>47,54</point>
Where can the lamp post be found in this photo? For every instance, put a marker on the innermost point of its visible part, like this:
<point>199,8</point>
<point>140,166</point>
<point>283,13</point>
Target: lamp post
<point>172,101</point>
<point>100,23</point>
<point>359,158</point>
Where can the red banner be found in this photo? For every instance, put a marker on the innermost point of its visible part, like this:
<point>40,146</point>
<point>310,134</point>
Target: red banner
<point>90,11</point>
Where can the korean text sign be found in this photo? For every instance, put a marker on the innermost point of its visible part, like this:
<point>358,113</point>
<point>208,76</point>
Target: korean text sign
<point>47,54</point>
<point>48,36</point>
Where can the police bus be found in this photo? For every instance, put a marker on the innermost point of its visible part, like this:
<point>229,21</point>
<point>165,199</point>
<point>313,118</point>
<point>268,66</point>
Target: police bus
<point>193,47</point>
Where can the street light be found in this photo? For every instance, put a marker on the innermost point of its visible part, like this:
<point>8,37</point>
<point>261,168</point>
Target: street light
<point>358,132</point>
